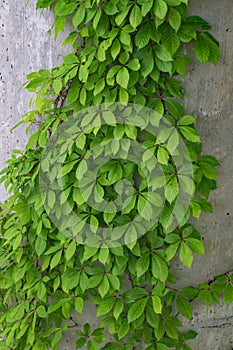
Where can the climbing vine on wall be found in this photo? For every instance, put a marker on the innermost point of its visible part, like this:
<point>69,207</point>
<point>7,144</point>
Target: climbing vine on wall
<point>125,58</point>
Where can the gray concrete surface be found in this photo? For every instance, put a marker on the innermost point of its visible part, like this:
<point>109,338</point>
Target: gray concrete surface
<point>26,47</point>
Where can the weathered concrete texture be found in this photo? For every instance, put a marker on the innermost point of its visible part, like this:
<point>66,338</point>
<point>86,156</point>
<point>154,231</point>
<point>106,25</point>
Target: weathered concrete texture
<point>26,47</point>
<point>209,93</point>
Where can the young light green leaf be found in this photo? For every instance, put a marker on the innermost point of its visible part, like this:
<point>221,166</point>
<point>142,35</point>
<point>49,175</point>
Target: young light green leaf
<point>172,190</point>
<point>159,268</point>
<point>134,64</point>
<point>119,307</point>
<point>104,287</point>
<point>122,77</point>
<point>79,304</point>
<point>135,16</point>
<point>157,304</point>
<point>160,9</point>
<point>196,245</point>
<point>186,255</point>
<point>189,133</point>
<point>174,19</point>
<point>115,48</point>
<point>71,250</point>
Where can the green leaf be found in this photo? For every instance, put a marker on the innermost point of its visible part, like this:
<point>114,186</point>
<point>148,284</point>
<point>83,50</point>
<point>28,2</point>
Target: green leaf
<point>174,108</point>
<point>172,190</point>
<point>159,268</point>
<point>89,252</point>
<point>110,9</point>
<point>103,255</point>
<point>172,250</point>
<point>134,64</point>
<point>214,48</point>
<point>66,310</point>
<point>41,291</point>
<point>119,307</point>
<point>190,292</point>
<point>44,3</point>
<point>67,168</point>
<point>208,170</point>
<point>173,142</point>
<point>162,53</point>
<point>40,245</point>
<point>186,184</point>
<point>206,296</point>
<point>189,133</point>
<point>196,245</point>
<point>147,63</point>
<point>190,335</point>
<point>41,311</point>
<point>114,281</point>
<point>142,265</point>
<point>71,250</point>
<point>80,343</point>
<point>124,329</point>
<point>186,120</point>
<point>136,310</point>
<point>121,16</point>
<point>186,256</point>
<point>157,304</point>
<point>171,41</point>
<point>123,96</point>
<point>122,77</point>
<point>187,33</point>
<point>51,199</point>
<point>79,15</point>
<point>56,259</point>
<point>171,329</point>
<point>174,2</point>
<point>184,307</point>
<point>106,307</point>
<point>104,287</point>
<point>81,141</point>
<point>100,85</point>
<point>160,9</point>
<point>163,155</point>
<point>228,295</point>
<point>83,73</point>
<point>161,346</point>
<point>202,49</point>
<point>135,293</point>
<point>83,96</point>
<point>115,48</point>
<point>174,88</point>
<point>64,9</point>
<point>174,19</point>
<point>142,37</point>
<point>146,6</point>
<point>135,17</point>
<point>57,86</point>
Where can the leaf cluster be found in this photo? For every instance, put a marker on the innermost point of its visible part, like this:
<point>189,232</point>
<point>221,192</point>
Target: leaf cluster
<point>128,52</point>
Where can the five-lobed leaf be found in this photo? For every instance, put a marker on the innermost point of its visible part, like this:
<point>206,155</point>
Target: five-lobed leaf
<point>122,77</point>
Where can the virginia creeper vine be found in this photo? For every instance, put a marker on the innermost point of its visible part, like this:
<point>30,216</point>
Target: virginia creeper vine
<point>129,52</point>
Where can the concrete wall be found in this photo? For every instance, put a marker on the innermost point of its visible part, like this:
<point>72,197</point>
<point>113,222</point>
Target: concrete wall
<point>26,47</point>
